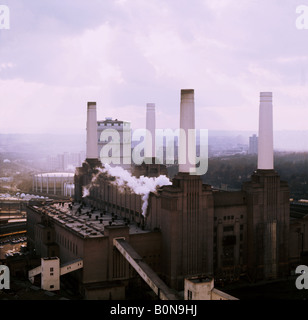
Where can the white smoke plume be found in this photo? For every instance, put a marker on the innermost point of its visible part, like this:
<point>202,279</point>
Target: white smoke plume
<point>124,180</point>
<point>85,191</point>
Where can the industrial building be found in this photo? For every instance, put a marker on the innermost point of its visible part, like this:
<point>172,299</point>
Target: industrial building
<point>187,230</point>
<point>54,183</point>
<point>114,135</point>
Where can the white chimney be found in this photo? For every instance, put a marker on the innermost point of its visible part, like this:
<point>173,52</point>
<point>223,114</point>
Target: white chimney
<point>187,139</point>
<point>265,139</point>
<point>150,126</point>
<point>92,149</point>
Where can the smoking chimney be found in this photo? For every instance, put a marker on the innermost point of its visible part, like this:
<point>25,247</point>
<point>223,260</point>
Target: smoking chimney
<point>187,139</point>
<point>265,140</point>
<point>150,126</point>
<point>92,150</point>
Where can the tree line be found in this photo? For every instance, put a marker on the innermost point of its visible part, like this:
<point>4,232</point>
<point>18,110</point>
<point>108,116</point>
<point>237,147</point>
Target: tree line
<point>230,172</point>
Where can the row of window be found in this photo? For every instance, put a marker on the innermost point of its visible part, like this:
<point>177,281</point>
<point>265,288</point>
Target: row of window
<point>229,217</point>
<point>38,233</point>
<point>66,243</point>
<point>108,124</point>
<point>240,238</point>
<point>229,228</point>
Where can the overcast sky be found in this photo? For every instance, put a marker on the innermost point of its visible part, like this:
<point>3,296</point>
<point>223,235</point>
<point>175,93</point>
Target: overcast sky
<point>57,55</point>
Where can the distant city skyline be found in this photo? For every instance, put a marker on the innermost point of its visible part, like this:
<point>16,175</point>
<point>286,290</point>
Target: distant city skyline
<point>57,56</point>
<point>53,144</point>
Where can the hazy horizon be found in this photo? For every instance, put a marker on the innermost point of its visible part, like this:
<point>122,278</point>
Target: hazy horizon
<point>289,141</point>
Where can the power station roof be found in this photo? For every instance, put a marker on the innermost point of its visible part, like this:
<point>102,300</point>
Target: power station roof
<point>86,224</point>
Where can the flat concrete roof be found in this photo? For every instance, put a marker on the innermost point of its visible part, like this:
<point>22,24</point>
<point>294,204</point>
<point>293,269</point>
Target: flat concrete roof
<point>86,223</point>
<point>200,279</point>
<point>50,258</point>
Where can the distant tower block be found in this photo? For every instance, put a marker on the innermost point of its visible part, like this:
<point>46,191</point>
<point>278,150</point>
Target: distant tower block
<point>150,134</point>
<point>253,144</point>
<point>265,140</point>
<point>187,140</point>
<point>92,131</point>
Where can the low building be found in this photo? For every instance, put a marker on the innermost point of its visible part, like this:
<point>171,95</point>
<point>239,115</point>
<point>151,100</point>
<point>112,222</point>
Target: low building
<point>82,233</point>
<point>202,288</point>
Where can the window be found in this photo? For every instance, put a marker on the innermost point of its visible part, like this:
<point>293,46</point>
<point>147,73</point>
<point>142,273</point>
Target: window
<point>229,241</point>
<point>189,295</point>
<point>228,228</point>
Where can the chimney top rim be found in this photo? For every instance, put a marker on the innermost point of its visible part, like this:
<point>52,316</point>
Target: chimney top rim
<point>151,106</point>
<point>266,94</point>
<point>187,91</point>
<point>92,104</point>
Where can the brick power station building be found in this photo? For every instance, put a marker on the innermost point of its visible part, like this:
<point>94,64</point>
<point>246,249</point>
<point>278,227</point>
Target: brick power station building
<point>187,229</point>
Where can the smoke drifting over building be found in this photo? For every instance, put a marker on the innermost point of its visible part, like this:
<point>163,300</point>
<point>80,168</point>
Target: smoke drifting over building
<point>125,181</point>
<point>187,227</point>
<point>192,214</point>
